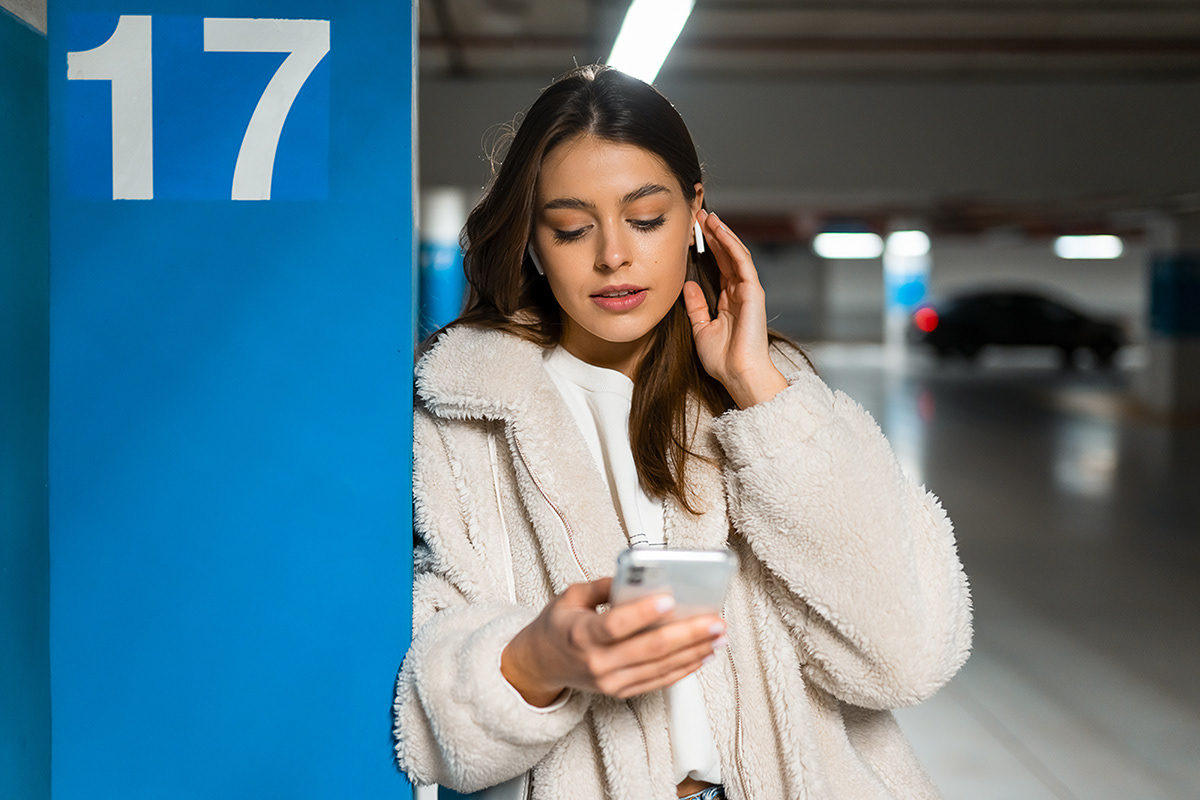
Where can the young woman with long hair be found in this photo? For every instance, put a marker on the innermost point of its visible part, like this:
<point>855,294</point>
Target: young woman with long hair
<point>612,382</point>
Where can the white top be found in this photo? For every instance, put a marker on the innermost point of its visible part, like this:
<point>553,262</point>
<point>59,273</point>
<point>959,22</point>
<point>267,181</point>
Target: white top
<point>600,400</point>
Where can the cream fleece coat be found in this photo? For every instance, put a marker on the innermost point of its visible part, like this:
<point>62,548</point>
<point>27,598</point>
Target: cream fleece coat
<point>849,601</point>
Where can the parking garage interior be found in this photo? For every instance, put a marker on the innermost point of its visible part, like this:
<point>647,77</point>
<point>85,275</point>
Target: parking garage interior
<point>994,127</point>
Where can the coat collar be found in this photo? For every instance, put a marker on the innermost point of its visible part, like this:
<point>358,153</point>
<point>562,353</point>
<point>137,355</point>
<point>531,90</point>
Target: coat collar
<point>477,373</point>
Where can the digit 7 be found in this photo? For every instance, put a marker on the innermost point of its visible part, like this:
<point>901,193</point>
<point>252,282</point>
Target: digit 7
<point>306,41</point>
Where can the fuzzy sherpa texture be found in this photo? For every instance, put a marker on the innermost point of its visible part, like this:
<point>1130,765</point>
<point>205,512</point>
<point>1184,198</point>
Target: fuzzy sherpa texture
<point>849,598</point>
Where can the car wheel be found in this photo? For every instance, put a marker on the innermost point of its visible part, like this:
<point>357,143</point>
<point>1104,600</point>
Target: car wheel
<point>1105,355</point>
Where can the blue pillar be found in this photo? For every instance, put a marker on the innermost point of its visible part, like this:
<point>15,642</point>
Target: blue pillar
<point>1171,381</point>
<point>230,367</point>
<point>24,336</point>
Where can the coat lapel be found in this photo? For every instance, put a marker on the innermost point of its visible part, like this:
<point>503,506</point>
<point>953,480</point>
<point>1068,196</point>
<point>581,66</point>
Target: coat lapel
<point>474,373</point>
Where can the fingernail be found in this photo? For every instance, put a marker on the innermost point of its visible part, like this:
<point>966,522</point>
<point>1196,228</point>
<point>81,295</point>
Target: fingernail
<point>720,642</point>
<point>716,627</point>
<point>664,604</point>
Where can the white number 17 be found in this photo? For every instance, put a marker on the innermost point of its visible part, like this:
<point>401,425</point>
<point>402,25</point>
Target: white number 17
<point>125,60</point>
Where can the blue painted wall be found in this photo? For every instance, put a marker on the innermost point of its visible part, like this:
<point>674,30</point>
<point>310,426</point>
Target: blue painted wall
<point>230,422</point>
<point>24,331</point>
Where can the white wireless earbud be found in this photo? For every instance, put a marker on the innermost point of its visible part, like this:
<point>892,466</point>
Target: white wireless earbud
<point>533,257</point>
<point>699,238</point>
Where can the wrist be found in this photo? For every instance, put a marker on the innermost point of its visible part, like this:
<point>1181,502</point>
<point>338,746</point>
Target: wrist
<point>519,669</point>
<point>751,388</point>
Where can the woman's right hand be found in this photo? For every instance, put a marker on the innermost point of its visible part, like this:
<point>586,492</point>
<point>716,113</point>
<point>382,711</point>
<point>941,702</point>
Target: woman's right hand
<point>571,646</point>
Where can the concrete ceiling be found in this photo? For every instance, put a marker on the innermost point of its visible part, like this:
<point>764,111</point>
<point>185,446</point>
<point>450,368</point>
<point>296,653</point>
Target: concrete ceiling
<point>32,11</point>
<point>796,38</point>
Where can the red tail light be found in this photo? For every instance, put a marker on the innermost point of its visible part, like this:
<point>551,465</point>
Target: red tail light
<point>925,318</point>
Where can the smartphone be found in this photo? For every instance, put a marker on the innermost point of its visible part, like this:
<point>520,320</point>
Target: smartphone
<point>697,579</point>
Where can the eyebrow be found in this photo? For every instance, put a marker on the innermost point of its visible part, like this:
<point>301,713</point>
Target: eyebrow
<point>583,205</point>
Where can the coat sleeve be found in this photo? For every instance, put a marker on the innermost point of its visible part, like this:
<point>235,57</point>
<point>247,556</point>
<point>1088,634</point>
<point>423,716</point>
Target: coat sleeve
<point>862,559</point>
<point>458,722</point>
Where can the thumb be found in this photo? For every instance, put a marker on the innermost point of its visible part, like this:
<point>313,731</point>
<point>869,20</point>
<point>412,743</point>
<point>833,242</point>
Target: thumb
<point>696,304</point>
<point>588,595</point>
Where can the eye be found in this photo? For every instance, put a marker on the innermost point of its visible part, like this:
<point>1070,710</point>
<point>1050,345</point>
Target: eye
<point>648,224</point>
<point>568,236</point>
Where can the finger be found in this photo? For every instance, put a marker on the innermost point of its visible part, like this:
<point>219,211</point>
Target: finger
<point>720,248</point>
<point>696,304</point>
<point>663,672</point>
<point>728,242</point>
<point>588,595</point>
<point>666,641</point>
<point>725,237</point>
<point>660,680</point>
<point>628,619</point>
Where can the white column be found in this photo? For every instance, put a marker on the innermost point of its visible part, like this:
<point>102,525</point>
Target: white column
<point>906,265</point>
<point>443,215</point>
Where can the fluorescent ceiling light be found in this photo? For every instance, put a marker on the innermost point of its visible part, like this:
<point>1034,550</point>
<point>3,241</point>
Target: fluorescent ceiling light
<point>1088,247</point>
<point>647,35</point>
<point>848,245</point>
<point>908,244</point>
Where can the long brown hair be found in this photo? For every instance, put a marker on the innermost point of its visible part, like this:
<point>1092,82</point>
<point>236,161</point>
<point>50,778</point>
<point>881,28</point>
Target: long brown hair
<point>506,293</point>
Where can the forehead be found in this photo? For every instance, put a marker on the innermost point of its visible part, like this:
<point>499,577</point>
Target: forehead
<point>596,168</point>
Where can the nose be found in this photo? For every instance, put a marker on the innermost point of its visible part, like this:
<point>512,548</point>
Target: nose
<point>613,251</point>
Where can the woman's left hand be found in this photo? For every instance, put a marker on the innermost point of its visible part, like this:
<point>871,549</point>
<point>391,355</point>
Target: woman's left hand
<point>733,345</point>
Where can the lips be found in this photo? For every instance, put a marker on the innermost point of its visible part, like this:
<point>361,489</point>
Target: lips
<point>619,298</point>
<point>620,290</point>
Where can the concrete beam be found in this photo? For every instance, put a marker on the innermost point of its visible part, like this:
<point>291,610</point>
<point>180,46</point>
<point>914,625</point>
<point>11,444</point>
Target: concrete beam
<point>32,11</point>
<point>784,144</point>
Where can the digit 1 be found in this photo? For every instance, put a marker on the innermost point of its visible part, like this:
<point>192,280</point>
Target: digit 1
<point>125,60</point>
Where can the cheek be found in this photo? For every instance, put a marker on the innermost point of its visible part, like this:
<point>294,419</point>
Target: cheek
<point>668,252</point>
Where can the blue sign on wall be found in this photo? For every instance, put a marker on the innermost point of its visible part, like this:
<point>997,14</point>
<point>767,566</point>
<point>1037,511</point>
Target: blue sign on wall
<point>443,285</point>
<point>1175,294</point>
<point>200,107</point>
<point>230,370</point>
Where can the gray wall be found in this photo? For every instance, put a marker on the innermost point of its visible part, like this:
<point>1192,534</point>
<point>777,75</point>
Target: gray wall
<point>779,146</point>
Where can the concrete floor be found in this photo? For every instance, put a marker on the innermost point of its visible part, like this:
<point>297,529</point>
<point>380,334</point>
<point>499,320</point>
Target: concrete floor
<point>1078,522</point>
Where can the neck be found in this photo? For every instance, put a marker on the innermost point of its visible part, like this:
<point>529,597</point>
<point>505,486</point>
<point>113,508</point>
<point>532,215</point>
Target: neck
<point>624,357</point>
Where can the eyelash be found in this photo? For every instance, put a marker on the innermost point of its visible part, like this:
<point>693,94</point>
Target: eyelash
<point>641,225</point>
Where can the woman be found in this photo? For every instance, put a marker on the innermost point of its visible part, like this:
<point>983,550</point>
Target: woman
<point>612,382</point>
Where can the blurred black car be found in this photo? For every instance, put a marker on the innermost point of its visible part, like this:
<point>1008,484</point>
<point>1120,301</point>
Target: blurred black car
<point>965,324</point>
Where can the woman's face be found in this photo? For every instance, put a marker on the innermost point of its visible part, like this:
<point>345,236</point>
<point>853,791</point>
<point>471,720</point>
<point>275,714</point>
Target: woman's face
<point>612,230</point>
